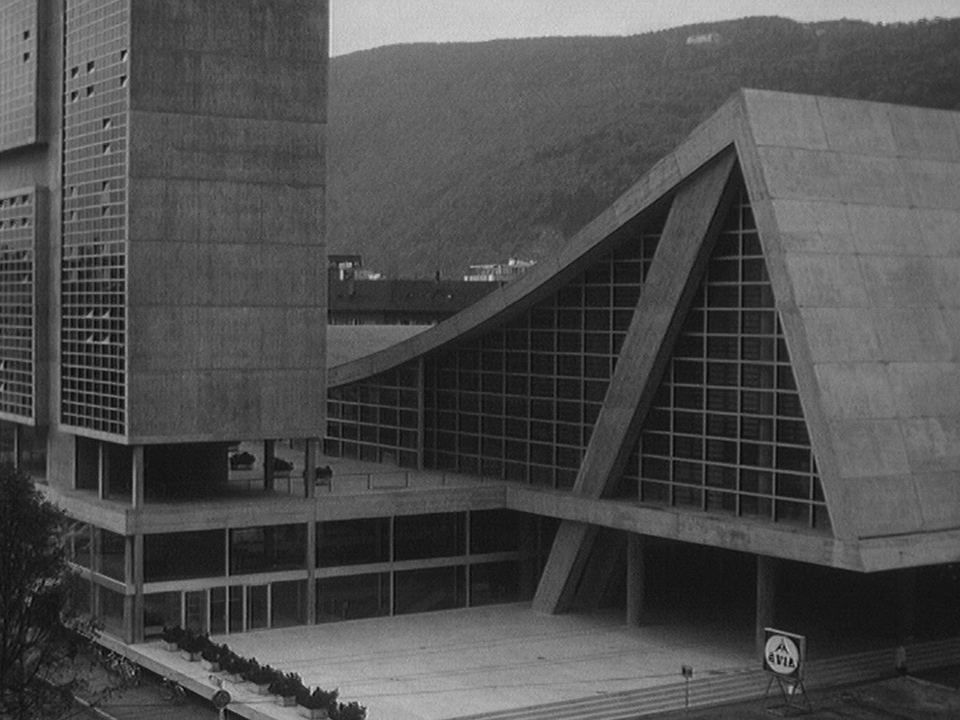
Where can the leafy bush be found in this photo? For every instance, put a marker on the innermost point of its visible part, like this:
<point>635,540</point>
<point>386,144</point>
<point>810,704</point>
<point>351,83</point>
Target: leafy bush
<point>319,699</point>
<point>287,685</point>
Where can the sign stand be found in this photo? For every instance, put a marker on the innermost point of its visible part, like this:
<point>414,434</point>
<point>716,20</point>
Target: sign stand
<point>784,655</point>
<point>793,693</point>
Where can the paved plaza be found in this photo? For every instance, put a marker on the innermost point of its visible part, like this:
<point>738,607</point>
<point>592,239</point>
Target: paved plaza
<point>458,662</point>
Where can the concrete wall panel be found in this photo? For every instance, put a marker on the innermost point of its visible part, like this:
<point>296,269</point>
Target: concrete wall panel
<point>851,390</point>
<point>822,280</point>
<point>925,389</point>
<point>932,183</point>
<point>899,282</point>
<point>938,495</point>
<point>869,448</point>
<point>794,174</point>
<point>815,227</point>
<point>857,127</point>
<point>165,272</point>
<point>841,334</point>
<point>946,271</point>
<point>941,231</point>
<point>885,505</point>
<point>933,443</point>
<point>165,339</point>
<point>785,120</point>
<point>914,334</point>
<point>885,230</point>
<point>924,133</point>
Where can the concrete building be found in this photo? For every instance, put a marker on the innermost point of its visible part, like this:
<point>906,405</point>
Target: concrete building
<point>738,383</point>
<point>400,301</point>
<point>161,214</point>
<point>735,391</point>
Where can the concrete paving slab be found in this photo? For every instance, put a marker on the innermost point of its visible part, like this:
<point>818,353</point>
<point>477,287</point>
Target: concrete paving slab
<point>444,664</point>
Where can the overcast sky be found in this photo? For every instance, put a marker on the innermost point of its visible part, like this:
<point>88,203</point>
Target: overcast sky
<point>362,24</point>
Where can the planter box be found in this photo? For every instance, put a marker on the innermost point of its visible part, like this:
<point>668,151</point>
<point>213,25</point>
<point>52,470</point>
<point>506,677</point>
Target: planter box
<point>190,656</point>
<point>263,689</point>
<point>312,713</point>
<point>208,665</point>
<point>288,701</point>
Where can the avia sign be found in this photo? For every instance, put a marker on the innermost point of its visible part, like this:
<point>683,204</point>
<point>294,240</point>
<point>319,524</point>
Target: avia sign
<point>783,653</point>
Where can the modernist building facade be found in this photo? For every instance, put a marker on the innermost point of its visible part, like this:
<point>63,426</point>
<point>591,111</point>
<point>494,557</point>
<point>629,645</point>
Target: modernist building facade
<point>163,276</point>
<point>749,361</point>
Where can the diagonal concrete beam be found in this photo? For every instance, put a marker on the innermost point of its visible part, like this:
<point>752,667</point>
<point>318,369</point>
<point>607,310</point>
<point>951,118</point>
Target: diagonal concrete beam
<point>692,226</point>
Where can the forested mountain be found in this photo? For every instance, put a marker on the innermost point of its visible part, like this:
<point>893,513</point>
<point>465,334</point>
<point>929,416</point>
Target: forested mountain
<point>444,155</point>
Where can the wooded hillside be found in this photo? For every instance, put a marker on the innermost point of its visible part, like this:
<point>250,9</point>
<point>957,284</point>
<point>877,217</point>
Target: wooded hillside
<point>445,155</point>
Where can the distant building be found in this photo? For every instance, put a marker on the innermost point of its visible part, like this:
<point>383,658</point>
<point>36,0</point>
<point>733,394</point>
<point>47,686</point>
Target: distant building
<point>499,272</point>
<point>349,267</point>
<point>400,302</point>
<point>704,39</point>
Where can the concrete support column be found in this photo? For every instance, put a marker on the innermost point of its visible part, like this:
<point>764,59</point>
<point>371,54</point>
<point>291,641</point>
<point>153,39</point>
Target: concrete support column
<point>103,477</point>
<point>529,548</point>
<point>635,579</point>
<point>268,446</point>
<point>766,596</point>
<point>138,587</point>
<point>310,454</point>
<point>17,446</point>
<point>311,570</point>
<point>907,602</point>
<point>133,579</point>
<point>137,477</point>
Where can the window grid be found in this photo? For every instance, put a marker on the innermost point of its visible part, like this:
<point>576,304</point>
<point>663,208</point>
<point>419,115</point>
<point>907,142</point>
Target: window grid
<point>726,431</point>
<point>18,222</point>
<point>93,263</point>
<point>520,404</point>
<point>376,419</point>
<point>18,73</point>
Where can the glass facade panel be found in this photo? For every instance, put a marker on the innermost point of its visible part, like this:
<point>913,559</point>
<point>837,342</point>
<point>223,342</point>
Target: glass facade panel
<point>492,583</point>
<point>494,531</point>
<point>110,604</point>
<point>19,87</point>
<point>111,554</point>
<point>417,537</point>
<point>267,549</point>
<point>161,609</point>
<point>478,416</point>
<point>353,542</point>
<point>726,433</point>
<point>257,606</point>
<point>177,556</point>
<point>94,208</point>
<point>18,288</point>
<point>429,589</point>
<point>195,611</point>
<point>288,603</point>
<point>353,597</point>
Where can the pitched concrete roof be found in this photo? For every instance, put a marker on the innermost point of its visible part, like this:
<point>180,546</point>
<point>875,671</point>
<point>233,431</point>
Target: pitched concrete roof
<point>858,210</point>
<point>858,207</point>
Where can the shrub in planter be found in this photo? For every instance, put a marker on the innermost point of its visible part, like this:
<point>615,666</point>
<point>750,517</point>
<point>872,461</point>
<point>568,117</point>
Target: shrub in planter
<point>319,699</point>
<point>263,677</point>
<point>287,686</point>
<point>350,711</point>
<point>211,657</point>
<point>318,704</point>
<point>234,665</point>
<point>171,636</point>
<point>191,646</point>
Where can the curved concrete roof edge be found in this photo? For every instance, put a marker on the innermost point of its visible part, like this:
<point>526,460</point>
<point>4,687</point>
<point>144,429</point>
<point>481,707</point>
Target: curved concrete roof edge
<point>704,143</point>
